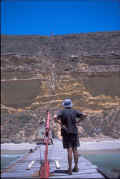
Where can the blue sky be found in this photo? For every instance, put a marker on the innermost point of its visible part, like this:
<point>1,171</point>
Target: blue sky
<point>45,17</point>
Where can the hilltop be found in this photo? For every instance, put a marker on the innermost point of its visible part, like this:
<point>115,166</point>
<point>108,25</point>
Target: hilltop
<point>89,44</point>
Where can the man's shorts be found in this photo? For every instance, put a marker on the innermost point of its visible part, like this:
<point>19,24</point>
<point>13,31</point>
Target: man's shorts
<point>70,140</point>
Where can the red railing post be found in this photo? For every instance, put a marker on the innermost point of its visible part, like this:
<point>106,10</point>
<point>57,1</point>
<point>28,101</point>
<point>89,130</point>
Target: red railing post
<point>45,169</point>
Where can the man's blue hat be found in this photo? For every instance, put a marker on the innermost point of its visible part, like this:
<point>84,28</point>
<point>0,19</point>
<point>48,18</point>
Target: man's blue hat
<point>67,103</point>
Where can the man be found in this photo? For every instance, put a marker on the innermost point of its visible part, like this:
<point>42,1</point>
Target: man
<point>67,119</point>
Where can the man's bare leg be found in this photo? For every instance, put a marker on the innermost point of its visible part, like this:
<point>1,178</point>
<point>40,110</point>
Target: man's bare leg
<point>75,154</point>
<point>70,160</point>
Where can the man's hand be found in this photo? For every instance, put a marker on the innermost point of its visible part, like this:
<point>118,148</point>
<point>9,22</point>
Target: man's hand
<point>55,116</point>
<point>57,119</point>
<point>84,116</point>
<point>81,118</point>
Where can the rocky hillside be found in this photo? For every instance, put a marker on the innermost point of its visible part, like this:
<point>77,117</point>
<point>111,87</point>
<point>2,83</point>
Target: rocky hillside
<point>100,43</point>
<point>38,73</point>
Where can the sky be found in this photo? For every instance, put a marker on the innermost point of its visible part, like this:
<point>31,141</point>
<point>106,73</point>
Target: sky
<point>46,17</point>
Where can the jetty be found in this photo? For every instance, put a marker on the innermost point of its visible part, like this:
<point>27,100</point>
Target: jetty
<point>29,165</point>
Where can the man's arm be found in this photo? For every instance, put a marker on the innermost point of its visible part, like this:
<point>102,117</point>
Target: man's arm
<point>81,117</point>
<point>57,119</point>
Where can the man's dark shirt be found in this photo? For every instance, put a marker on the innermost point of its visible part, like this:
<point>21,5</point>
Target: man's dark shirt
<point>68,119</point>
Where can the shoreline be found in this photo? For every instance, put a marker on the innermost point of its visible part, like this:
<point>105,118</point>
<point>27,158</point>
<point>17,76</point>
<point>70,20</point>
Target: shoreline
<point>99,144</point>
<point>12,148</point>
<point>89,145</point>
<point>13,152</point>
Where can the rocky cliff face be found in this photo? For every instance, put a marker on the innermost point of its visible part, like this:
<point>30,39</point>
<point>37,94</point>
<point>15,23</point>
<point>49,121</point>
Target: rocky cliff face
<point>38,73</point>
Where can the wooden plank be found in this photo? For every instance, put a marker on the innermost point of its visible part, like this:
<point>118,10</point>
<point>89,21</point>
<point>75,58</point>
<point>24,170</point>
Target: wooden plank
<point>79,176</point>
<point>87,171</point>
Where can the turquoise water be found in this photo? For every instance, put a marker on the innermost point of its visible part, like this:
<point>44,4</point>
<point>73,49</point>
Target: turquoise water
<point>107,160</point>
<point>7,159</point>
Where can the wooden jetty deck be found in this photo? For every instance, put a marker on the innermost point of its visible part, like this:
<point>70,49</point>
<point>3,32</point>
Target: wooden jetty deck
<point>55,152</point>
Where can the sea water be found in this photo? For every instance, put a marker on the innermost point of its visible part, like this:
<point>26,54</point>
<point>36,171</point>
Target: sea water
<point>108,160</point>
<point>7,159</point>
